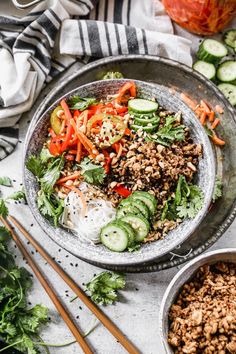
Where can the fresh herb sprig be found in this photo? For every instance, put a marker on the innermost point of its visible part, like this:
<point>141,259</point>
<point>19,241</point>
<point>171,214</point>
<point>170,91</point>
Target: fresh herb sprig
<point>111,75</point>
<point>103,287</point>
<point>47,169</point>
<point>5,181</point>
<point>168,133</point>
<point>80,103</point>
<point>19,325</point>
<point>187,202</point>
<point>92,173</point>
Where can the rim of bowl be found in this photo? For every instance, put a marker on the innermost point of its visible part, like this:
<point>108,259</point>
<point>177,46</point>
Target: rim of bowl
<point>125,261</point>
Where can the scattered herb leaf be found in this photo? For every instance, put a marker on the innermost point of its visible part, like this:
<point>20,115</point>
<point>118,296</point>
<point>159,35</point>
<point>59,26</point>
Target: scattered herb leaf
<point>208,131</point>
<point>52,174</point>
<point>80,103</point>
<point>19,195</point>
<point>169,133</point>
<point>35,165</point>
<point>93,174</point>
<point>217,193</point>
<point>45,155</point>
<point>103,287</point>
<point>112,75</point>
<point>5,181</point>
<point>187,202</point>
<point>50,206</point>
<point>19,325</point>
<point>3,208</point>
<point>134,248</point>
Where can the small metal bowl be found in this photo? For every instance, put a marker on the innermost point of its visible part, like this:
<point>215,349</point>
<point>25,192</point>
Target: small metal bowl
<point>182,277</point>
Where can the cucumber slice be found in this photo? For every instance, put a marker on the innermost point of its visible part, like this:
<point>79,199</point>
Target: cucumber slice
<point>114,236</point>
<point>143,209</point>
<point>147,199</point>
<point>226,71</point>
<point>141,105</point>
<point>142,115</point>
<point>229,91</point>
<point>145,122</point>
<point>140,225</point>
<point>230,38</point>
<point>128,208</point>
<point>206,69</point>
<point>130,231</point>
<point>211,51</point>
<point>148,129</point>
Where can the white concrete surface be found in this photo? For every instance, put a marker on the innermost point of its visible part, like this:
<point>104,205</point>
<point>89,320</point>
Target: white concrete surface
<point>137,312</point>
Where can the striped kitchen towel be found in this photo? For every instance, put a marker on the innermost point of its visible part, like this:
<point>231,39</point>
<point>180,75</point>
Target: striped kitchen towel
<point>56,33</point>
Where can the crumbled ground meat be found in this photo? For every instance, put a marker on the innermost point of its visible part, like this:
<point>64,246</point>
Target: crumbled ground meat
<point>203,318</point>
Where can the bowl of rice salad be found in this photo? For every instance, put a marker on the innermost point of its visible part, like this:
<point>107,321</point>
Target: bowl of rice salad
<point>119,171</point>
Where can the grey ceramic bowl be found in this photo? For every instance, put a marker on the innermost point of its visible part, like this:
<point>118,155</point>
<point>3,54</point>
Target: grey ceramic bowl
<point>97,253</point>
<point>183,276</point>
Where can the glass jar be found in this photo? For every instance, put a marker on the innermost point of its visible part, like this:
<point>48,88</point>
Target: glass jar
<point>201,16</point>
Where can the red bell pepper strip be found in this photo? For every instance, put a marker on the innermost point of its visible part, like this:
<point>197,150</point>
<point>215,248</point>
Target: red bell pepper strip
<point>69,129</point>
<point>122,191</point>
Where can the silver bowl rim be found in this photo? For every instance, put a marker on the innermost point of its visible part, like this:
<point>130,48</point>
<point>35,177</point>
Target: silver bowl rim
<point>193,263</point>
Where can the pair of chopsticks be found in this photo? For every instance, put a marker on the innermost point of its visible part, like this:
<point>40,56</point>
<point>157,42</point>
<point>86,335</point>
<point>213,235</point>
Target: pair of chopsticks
<point>69,281</point>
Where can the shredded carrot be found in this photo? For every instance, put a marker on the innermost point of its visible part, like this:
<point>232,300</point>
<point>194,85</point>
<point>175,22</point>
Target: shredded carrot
<point>219,109</point>
<point>205,106</point>
<point>215,123</point>
<point>83,200</point>
<point>84,140</point>
<point>203,118</point>
<point>72,152</point>
<point>198,112</point>
<point>191,103</point>
<point>68,178</point>
<point>217,140</point>
<point>211,116</point>
<point>79,152</point>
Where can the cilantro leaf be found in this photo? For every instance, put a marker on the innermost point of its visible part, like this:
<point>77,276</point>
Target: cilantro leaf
<point>50,206</point>
<point>3,209</point>
<point>103,287</point>
<point>134,248</point>
<point>112,75</point>
<point>5,181</point>
<point>19,195</point>
<point>80,103</point>
<point>191,204</point>
<point>52,174</point>
<point>217,193</point>
<point>45,155</point>
<point>93,174</point>
<point>187,202</point>
<point>35,165</point>
<point>168,133</point>
<point>208,131</point>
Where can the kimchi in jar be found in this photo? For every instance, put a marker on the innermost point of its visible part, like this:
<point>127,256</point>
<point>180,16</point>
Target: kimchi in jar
<point>201,16</point>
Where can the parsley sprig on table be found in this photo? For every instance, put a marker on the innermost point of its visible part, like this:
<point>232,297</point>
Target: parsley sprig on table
<point>103,287</point>
<point>187,202</point>
<point>19,325</point>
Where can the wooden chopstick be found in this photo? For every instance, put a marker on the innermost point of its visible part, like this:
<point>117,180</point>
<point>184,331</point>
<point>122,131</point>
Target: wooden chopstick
<point>78,291</point>
<point>59,306</point>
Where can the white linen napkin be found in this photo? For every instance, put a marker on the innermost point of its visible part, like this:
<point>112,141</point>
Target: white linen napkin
<point>56,33</point>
